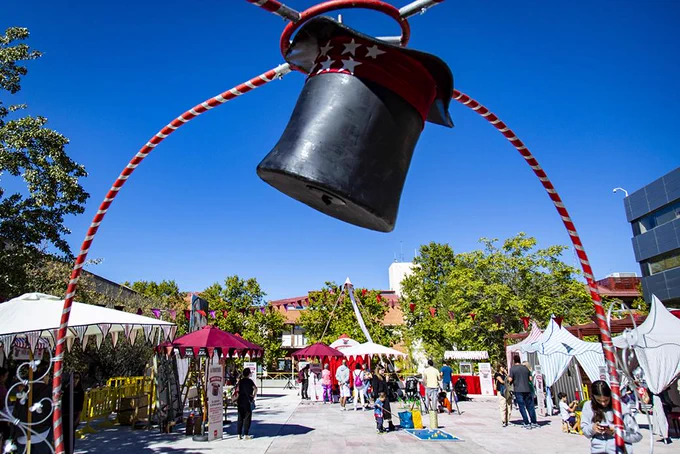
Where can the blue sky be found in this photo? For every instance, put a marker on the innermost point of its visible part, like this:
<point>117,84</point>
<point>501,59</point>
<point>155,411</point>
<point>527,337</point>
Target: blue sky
<point>590,87</point>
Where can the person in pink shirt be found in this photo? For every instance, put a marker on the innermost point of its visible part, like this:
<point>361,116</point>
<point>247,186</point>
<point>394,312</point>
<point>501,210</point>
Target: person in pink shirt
<point>326,384</point>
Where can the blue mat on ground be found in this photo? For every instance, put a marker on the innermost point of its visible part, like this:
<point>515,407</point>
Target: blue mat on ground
<point>432,435</point>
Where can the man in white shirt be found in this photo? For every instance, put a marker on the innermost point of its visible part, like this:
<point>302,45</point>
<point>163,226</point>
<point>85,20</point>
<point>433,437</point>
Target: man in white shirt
<point>342,376</point>
<point>431,382</point>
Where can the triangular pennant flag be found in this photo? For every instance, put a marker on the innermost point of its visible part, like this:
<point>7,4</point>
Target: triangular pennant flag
<point>378,298</point>
<point>166,331</point>
<point>225,313</point>
<point>211,350</point>
<point>412,307</point>
<point>212,314</point>
<point>262,310</point>
<point>132,336</point>
<point>498,319</point>
<point>252,311</point>
<point>104,327</point>
<point>196,351</point>
<point>80,332</point>
<point>432,311</point>
<point>452,315</point>
<point>98,340</point>
<point>168,350</point>
<point>114,338</point>
<point>33,337</point>
<point>187,314</point>
<point>156,313</point>
<point>285,306</point>
<point>140,311</point>
<point>7,341</point>
<point>126,330</point>
<point>558,320</point>
<point>173,314</point>
<point>147,332</point>
<point>472,316</point>
<point>69,343</point>
<point>202,312</point>
<point>363,292</point>
<point>173,331</point>
<point>525,320</point>
<point>83,342</point>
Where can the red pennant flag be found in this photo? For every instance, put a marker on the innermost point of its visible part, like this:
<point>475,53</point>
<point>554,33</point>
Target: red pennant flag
<point>452,316</point>
<point>432,311</point>
<point>225,313</point>
<point>299,302</point>
<point>202,313</point>
<point>285,306</point>
<point>558,320</point>
<point>140,311</point>
<point>525,320</point>
<point>363,292</point>
<point>472,316</point>
<point>412,306</point>
<point>187,314</point>
<point>378,298</point>
<point>498,319</point>
<point>307,301</point>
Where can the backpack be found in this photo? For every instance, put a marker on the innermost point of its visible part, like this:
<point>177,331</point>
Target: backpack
<point>358,381</point>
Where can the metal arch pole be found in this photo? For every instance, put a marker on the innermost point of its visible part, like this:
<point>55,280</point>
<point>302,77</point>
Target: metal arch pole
<point>605,334</point>
<point>171,127</point>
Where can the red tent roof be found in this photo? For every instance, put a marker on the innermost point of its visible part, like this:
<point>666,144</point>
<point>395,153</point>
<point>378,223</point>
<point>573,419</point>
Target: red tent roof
<point>318,350</point>
<point>209,338</point>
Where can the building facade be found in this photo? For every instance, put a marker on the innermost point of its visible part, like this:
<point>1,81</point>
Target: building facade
<point>398,272</point>
<point>654,214</point>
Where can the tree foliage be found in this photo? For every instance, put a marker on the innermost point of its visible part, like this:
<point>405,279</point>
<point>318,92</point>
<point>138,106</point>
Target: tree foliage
<point>243,299</point>
<point>327,317</point>
<point>31,220</point>
<point>499,284</point>
<point>163,295</point>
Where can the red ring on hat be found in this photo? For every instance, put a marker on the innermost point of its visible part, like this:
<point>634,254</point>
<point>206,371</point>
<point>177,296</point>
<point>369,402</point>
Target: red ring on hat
<point>334,5</point>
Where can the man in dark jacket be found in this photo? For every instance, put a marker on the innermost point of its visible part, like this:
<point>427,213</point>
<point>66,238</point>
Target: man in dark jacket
<point>520,378</point>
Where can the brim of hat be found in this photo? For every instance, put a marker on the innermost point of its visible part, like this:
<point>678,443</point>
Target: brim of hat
<point>306,44</point>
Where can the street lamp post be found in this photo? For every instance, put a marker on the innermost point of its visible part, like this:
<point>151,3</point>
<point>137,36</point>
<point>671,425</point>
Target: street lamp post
<point>620,189</point>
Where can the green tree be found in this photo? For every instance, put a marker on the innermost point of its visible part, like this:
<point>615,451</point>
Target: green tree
<point>164,295</point>
<point>247,315</point>
<point>326,318</point>
<point>32,220</point>
<point>499,284</point>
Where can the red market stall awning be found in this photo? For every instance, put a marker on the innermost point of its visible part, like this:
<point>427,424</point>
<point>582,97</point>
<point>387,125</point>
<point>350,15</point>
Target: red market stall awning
<point>210,339</point>
<point>318,350</point>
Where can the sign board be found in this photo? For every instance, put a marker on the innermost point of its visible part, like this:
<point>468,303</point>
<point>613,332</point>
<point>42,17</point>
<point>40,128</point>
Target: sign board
<point>540,393</point>
<point>23,354</point>
<point>465,368</point>
<point>253,369</point>
<point>603,373</point>
<point>215,384</point>
<point>485,379</point>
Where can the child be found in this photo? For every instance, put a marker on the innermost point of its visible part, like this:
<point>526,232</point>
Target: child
<point>379,412</point>
<point>444,403</point>
<point>567,413</point>
<point>326,384</point>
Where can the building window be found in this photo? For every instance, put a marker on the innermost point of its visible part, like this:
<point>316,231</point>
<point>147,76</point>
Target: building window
<point>663,262</point>
<point>659,217</point>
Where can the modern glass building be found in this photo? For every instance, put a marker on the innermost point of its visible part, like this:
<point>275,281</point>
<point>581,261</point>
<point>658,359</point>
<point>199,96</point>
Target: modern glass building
<point>654,214</point>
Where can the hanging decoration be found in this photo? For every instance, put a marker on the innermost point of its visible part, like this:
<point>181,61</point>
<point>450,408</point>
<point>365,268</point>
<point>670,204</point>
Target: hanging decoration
<point>173,314</point>
<point>452,315</point>
<point>225,313</point>
<point>156,313</point>
<point>497,319</point>
<point>363,292</point>
<point>526,320</point>
<point>187,314</point>
<point>472,316</point>
<point>140,311</point>
<point>378,298</point>
<point>558,320</point>
<point>412,307</point>
<point>433,311</point>
<point>212,315</point>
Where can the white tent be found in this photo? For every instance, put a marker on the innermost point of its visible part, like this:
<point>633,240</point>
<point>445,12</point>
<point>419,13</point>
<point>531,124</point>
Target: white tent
<point>533,336</point>
<point>656,343</point>
<point>344,342</point>
<point>460,355</point>
<point>557,346</point>
<point>372,349</point>
<point>36,315</point>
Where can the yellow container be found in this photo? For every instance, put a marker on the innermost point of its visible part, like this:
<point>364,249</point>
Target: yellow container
<point>417,419</point>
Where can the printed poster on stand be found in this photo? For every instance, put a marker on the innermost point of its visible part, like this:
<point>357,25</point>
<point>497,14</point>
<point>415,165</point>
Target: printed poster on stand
<point>485,379</point>
<point>215,402</point>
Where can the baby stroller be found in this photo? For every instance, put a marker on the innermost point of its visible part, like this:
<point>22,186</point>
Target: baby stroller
<point>461,389</point>
<point>412,394</point>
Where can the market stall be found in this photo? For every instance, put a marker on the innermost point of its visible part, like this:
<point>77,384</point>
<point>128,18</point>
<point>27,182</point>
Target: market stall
<point>466,370</point>
<point>656,343</point>
<point>326,355</point>
<point>513,349</point>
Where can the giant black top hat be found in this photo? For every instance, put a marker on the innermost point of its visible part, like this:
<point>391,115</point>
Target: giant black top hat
<point>349,142</point>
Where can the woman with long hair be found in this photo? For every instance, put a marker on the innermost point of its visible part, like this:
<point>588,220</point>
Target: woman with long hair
<point>597,421</point>
<point>379,385</point>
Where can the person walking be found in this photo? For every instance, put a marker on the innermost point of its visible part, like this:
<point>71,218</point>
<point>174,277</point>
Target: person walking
<point>342,376</point>
<point>520,378</point>
<point>431,383</point>
<point>246,392</point>
<point>303,376</point>
<point>379,385</point>
<point>368,377</point>
<point>597,421</point>
<point>358,382</point>
<point>326,384</point>
<point>504,403</point>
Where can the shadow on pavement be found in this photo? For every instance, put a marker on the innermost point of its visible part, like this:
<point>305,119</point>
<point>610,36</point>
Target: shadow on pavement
<point>129,441</point>
<point>271,429</point>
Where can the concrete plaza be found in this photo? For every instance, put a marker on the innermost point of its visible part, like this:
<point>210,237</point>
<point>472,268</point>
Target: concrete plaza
<point>282,424</point>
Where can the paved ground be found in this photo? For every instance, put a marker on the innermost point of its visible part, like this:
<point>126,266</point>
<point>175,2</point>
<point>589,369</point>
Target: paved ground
<point>282,425</point>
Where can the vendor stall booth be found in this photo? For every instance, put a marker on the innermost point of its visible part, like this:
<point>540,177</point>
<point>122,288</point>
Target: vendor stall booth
<point>325,355</point>
<point>656,343</point>
<point>556,347</point>
<point>480,383</point>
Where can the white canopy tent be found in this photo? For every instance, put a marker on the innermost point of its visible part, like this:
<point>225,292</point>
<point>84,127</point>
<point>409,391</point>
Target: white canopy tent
<point>37,315</point>
<point>557,346</point>
<point>372,349</point>
<point>656,343</point>
<point>344,342</point>
<point>460,355</point>
<point>533,336</point>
